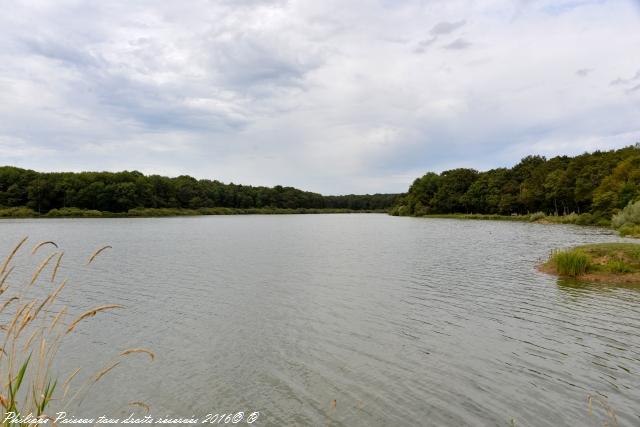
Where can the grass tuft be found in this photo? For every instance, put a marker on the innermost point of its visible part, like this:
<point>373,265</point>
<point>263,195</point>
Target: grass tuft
<point>571,263</point>
<point>618,266</point>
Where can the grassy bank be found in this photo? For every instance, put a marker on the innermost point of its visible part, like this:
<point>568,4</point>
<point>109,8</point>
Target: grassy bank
<point>602,262</point>
<point>538,217</point>
<point>23,212</point>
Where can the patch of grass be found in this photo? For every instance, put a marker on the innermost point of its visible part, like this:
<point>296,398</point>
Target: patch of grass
<point>606,262</point>
<point>623,251</point>
<point>629,230</point>
<point>570,263</point>
<point>618,266</point>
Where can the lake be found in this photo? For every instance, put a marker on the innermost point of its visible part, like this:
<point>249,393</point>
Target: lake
<point>343,320</point>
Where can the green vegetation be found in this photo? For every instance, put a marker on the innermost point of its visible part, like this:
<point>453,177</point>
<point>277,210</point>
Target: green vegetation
<point>629,231</point>
<point>540,217</point>
<point>160,212</point>
<point>571,263</point>
<point>627,221</point>
<point>18,212</point>
<point>615,262</point>
<point>26,193</point>
<point>481,217</point>
<point>586,189</point>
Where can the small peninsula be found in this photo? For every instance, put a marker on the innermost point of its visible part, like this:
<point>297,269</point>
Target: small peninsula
<point>601,262</point>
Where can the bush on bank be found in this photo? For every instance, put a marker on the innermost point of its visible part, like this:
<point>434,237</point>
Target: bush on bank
<point>627,221</point>
<point>18,212</point>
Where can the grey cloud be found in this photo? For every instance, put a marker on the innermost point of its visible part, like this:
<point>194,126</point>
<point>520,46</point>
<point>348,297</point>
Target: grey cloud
<point>458,44</point>
<point>636,88</point>
<point>584,72</point>
<point>245,63</point>
<point>424,44</point>
<point>60,51</point>
<point>442,28</point>
<point>621,81</point>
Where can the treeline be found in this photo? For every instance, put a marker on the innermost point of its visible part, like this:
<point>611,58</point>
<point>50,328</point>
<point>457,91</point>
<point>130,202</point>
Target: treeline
<point>120,192</point>
<point>599,183</point>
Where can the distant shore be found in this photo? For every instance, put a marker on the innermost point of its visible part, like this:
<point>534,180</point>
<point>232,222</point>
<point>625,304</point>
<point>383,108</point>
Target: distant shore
<point>24,212</point>
<point>540,218</point>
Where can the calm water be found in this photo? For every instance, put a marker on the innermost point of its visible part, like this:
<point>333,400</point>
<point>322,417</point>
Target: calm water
<point>401,321</point>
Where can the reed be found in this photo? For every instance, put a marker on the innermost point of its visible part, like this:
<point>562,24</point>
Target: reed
<point>570,263</point>
<point>32,329</point>
<point>96,253</point>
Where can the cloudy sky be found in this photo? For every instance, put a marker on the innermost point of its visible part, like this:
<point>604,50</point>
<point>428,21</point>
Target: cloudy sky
<point>334,96</point>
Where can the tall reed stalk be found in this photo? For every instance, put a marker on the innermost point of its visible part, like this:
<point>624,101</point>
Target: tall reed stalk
<point>32,330</point>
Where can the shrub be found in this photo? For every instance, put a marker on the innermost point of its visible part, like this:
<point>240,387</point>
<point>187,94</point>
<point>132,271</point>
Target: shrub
<point>571,218</point>
<point>537,216</point>
<point>629,230</point>
<point>571,263</point>
<point>402,210</point>
<point>630,215</point>
<point>19,212</point>
<point>585,219</point>
<point>73,212</point>
<point>420,210</point>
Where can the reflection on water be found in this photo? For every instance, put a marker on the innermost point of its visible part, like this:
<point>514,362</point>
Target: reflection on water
<point>568,283</point>
<point>348,320</point>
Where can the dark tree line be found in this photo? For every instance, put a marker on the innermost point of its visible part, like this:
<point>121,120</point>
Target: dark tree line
<point>599,183</point>
<point>122,191</point>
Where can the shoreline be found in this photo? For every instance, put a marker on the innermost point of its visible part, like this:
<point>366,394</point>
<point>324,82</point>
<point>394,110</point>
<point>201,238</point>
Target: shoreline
<point>25,213</point>
<point>582,220</point>
<point>570,219</point>
<point>599,277</point>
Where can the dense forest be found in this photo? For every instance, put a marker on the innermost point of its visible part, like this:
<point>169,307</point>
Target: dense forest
<point>599,184</point>
<point>122,191</point>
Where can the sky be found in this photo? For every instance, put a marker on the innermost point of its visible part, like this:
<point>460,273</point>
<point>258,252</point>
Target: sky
<point>332,96</point>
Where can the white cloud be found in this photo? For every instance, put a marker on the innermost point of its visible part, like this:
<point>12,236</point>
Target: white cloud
<point>331,96</point>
